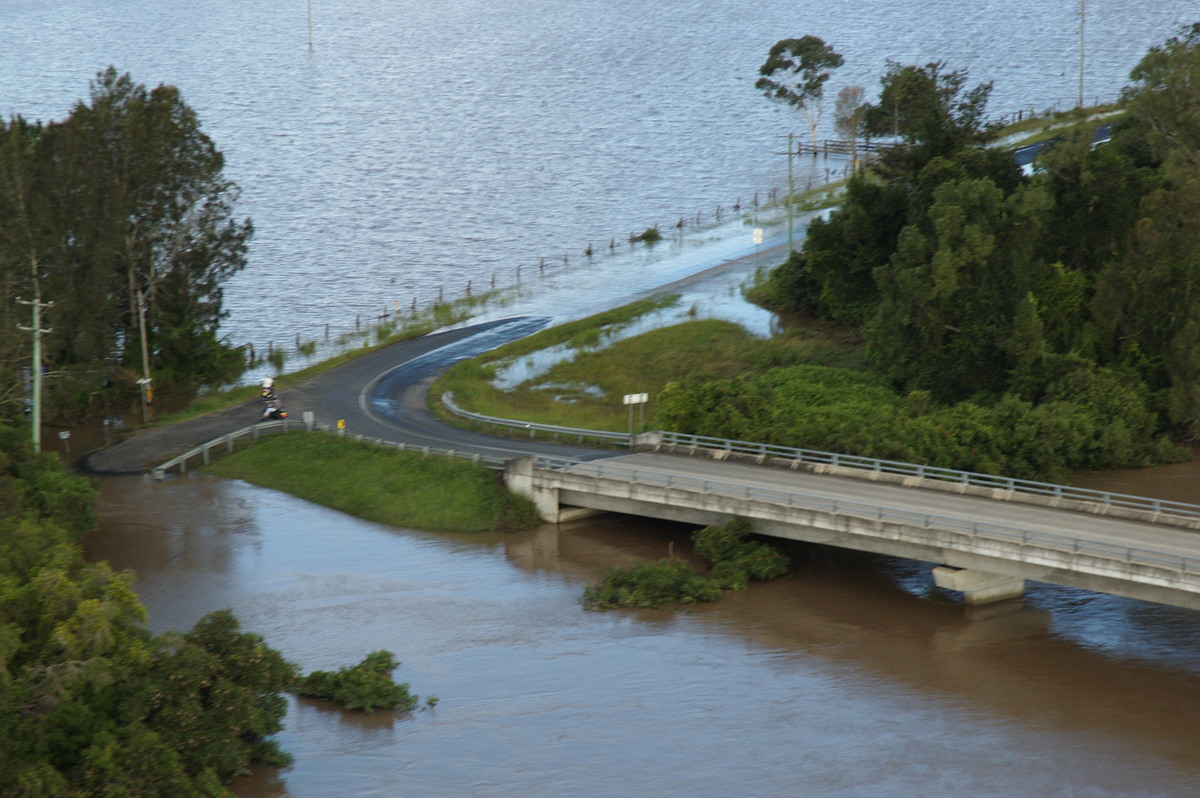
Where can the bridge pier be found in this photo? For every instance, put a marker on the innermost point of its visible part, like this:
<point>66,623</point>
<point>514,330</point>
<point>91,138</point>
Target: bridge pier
<point>978,587</point>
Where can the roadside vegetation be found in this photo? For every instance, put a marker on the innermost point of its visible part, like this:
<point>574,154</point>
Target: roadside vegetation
<point>734,561</point>
<point>402,489</point>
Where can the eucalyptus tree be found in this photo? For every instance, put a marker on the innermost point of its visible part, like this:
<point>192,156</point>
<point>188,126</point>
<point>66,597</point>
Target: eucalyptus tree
<point>795,73</point>
<point>849,113</point>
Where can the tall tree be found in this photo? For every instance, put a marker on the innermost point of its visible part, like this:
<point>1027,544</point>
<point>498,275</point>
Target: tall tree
<point>849,112</point>
<point>930,111</point>
<point>1164,99</point>
<point>125,202</point>
<point>795,73</point>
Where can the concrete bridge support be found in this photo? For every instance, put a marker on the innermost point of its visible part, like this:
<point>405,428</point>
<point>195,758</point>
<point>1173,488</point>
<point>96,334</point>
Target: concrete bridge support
<point>978,587</point>
<point>518,477</point>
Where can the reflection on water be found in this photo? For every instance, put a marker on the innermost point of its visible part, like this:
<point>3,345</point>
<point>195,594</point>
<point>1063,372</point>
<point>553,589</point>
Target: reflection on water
<point>853,677</point>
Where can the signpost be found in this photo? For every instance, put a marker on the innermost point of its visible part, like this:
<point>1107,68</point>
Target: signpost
<point>632,399</point>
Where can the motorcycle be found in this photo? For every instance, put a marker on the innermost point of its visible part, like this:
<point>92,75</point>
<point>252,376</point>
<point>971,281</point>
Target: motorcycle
<point>273,411</point>
<point>268,394</point>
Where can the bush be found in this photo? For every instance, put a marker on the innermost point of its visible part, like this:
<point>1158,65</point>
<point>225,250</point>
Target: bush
<point>367,686</point>
<point>649,584</point>
<point>735,561</point>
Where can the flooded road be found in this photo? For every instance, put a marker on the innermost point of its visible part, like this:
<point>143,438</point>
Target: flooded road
<point>852,677</point>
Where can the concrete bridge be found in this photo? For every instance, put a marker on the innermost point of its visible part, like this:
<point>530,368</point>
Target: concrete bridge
<point>984,542</point>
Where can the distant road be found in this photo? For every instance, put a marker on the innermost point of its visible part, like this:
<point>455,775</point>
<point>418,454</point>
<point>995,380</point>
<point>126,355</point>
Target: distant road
<point>1024,155</point>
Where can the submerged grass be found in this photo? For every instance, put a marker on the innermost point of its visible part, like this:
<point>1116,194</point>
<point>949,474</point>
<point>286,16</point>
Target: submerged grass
<point>586,390</point>
<point>402,489</point>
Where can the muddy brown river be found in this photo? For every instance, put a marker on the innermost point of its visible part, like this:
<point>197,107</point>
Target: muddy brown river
<point>852,677</point>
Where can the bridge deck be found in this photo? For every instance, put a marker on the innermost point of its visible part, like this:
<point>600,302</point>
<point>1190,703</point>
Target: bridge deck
<point>1163,538</point>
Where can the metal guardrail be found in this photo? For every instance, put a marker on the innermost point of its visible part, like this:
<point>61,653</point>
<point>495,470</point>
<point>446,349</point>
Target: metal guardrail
<point>973,529</point>
<point>816,457</point>
<point>974,479</point>
<point>227,443</point>
<point>580,434</point>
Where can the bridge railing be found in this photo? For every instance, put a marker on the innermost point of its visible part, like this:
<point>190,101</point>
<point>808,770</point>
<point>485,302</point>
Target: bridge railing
<point>792,454</point>
<point>900,468</point>
<point>1133,555</point>
<point>203,454</point>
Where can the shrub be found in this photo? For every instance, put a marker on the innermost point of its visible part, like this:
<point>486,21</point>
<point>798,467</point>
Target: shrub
<point>735,561</point>
<point>649,584</point>
<point>650,235</point>
<point>367,686</point>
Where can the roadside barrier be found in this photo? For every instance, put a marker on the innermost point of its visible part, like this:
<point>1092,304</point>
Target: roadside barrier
<point>792,457</point>
<point>203,454</point>
<point>579,434</point>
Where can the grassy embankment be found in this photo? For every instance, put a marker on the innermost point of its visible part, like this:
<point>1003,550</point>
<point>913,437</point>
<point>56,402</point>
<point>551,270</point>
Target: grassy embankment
<point>402,489</point>
<point>594,367</point>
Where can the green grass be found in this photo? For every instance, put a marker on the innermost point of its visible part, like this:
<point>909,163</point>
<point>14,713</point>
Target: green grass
<point>401,489</point>
<point>693,350</point>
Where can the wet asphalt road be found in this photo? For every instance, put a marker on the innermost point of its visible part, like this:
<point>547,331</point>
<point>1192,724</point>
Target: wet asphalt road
<point>379,395</point>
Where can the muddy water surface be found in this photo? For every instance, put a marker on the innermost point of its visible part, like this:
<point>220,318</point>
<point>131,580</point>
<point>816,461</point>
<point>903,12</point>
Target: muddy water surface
<point>854,677</point>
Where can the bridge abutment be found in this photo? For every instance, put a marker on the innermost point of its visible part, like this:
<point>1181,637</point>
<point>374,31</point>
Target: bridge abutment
<point>518,477</point>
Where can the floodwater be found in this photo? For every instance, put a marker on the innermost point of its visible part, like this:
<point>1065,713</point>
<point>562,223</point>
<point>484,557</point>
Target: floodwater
<point>417,146</point>
<point>852,677</point>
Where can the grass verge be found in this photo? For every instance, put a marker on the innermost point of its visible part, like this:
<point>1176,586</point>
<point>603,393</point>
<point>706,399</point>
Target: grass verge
<point>401,489</point>
<point>584,389</point>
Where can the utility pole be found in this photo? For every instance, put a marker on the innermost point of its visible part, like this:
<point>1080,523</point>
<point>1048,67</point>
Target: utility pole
<point>36,367</point>
<point>147,390</point>
<point>791,188</point>
<point>1081,15</point>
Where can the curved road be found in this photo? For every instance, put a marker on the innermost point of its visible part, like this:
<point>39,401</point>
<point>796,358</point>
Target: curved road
<point>379,395</point>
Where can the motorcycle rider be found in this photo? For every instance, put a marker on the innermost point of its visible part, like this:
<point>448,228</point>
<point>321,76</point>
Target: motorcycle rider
<point>273,410</point>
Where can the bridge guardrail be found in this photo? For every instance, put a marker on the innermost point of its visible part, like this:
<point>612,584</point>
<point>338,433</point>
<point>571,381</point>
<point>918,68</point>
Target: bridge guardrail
<point>228,443</point>
<point>817,457</point>
<point>900,468</point>
<point>974,529</point>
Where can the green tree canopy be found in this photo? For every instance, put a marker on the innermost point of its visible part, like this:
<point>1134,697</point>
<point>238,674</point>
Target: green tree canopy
<point>795,73</point>
<point>123,199</point>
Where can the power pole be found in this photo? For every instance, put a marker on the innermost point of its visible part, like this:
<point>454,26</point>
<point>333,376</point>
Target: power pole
<point>791,188</point>
<point>147,390</point>
<point>1081,15</point>
<point>36,367</point>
